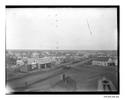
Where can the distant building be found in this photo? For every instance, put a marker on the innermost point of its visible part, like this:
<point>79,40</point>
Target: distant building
<point>38,64</point>
<point>58,59</point>
<point>17,55</point>
<point>35,55</point>
<point>103,61</point>
<point>19,62</point>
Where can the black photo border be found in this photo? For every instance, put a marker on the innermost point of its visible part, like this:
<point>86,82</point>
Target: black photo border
<point>73,6</point>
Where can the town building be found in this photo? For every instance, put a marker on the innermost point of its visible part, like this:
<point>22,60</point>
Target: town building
<point>103,61</point>
<point>58,59</point>
<point>37,64</point>
<point>35,55</point>
<point>19,62</point>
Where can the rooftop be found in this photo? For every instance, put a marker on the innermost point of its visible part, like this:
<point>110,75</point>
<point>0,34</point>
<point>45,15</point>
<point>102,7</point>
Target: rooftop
<point>101,59</point>
<point>39,60</point>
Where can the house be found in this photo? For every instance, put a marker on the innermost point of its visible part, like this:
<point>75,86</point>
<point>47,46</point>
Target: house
<point>35,55</point>
<point>40,63</point>
<point>58,59</point>
<point>103,61</point>
<point>37,64</point>
<point>19,62</point>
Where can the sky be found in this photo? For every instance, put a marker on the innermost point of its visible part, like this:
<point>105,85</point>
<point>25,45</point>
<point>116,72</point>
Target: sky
<point>61,28</point>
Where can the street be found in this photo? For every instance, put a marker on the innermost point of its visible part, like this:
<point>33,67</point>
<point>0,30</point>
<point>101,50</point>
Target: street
<point>85,76</point>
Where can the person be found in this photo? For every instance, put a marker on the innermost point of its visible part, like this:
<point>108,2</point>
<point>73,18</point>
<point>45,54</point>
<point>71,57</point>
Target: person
<point>64,77</point>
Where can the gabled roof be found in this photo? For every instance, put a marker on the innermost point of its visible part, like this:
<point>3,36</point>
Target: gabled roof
<point>39,60</point>
<point>101,59</point>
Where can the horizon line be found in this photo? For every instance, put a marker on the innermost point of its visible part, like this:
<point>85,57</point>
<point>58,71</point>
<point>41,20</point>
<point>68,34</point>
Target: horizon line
<point>63,49</point>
